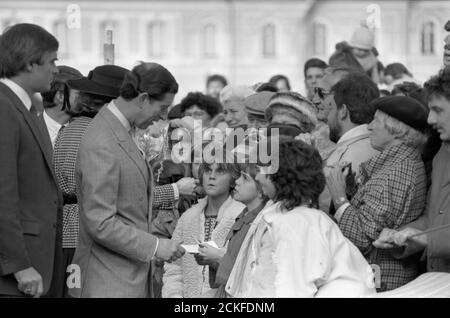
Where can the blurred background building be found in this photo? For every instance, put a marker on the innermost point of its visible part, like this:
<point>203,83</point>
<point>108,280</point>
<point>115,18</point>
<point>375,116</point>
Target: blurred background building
<point>246,40</point>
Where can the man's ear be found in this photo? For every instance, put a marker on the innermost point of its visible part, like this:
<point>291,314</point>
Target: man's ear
<point>142,99</point>
<point>343,112</point>
<point>30,67</point>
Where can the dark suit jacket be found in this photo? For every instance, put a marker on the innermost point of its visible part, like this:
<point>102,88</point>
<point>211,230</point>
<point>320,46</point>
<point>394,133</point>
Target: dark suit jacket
<point>30,202</point>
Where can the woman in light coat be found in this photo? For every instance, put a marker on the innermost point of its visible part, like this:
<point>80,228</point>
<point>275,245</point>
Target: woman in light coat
<point>292,249</point>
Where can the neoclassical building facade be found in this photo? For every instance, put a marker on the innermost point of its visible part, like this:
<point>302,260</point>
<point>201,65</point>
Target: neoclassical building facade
<point>246,40</point>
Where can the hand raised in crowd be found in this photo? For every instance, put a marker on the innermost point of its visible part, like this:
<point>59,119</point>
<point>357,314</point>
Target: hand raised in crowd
<point>169,250</point>
<point>208,254</point>
<point>186,186</point>
<point>335,177</point>
<point>29,282</point>
<point>386,239</point>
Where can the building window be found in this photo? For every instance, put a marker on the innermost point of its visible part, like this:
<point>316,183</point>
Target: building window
<point>269,40</point>
<point>427,37</point>
<point>60,31</point>
<point>156,39</point>
<point>209,41</point>
<point>320,39</point>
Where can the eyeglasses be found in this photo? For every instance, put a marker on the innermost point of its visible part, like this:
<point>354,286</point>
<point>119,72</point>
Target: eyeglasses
<point>321,92</point>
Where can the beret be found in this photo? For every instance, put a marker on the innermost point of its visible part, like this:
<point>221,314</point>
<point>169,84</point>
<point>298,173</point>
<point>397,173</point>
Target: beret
<point>256,103</point>
<point>405,109</point>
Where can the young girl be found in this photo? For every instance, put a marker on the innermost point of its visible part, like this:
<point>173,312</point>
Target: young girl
<point>292,249</point>
<point>209,220</point>
<point>249,192</point>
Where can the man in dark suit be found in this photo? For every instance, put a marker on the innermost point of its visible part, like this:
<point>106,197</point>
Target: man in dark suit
<point>30,202</point>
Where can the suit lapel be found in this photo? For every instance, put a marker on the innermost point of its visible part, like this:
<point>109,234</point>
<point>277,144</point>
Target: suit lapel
<point>132,151</point>
<point>35,127</point>
<point>125,141</point>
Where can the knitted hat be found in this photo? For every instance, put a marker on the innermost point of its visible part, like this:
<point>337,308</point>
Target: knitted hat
<point>405,109</point>
<point>293,101</point>
<point>362,38</point>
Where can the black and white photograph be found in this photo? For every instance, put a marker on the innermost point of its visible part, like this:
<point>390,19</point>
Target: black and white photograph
<point>224,150</point>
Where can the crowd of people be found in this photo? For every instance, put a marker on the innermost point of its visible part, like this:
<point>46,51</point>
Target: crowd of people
<point>95,201</point>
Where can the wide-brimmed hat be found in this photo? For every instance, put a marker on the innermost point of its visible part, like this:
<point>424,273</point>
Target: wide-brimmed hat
<point>104,80</point>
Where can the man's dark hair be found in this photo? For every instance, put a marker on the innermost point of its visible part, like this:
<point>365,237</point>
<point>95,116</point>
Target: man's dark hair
<point>396,70</point>
<point>151,78</point>
<point>405,88</point>
<point>299,179</point>
<point>216,78</point>
<point>439,85</point>
<point>207,103</point>
<point>24,44</point>
<point>356,91</point>
<point>314,62</point>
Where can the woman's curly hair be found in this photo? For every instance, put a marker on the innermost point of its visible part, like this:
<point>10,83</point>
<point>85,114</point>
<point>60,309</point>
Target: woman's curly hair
<point>300,178</point>
<point>207,103</point>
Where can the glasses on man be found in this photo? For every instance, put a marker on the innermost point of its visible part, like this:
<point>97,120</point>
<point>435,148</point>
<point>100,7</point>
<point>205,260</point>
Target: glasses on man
<point>321,92</point>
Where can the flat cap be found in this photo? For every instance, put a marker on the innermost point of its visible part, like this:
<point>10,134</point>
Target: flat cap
<point>256,104</point>
<point>405,109</point>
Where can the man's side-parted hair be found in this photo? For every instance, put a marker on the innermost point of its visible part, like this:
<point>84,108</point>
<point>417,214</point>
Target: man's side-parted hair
<point>24,44</point>
<point>151,78</point>
<point>439,85</point>
<point>314,62</point>
<point>356,91</point>
<point>300,178</point>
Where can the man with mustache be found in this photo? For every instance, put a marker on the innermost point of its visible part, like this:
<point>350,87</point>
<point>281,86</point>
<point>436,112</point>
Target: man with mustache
<point>347,119</point>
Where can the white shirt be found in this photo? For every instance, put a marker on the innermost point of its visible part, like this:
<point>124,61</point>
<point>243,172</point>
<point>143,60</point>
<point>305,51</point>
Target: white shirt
<point>116,112</point>
<point>53,127</point>
<point>19,91</point>
<point>353,147</point>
